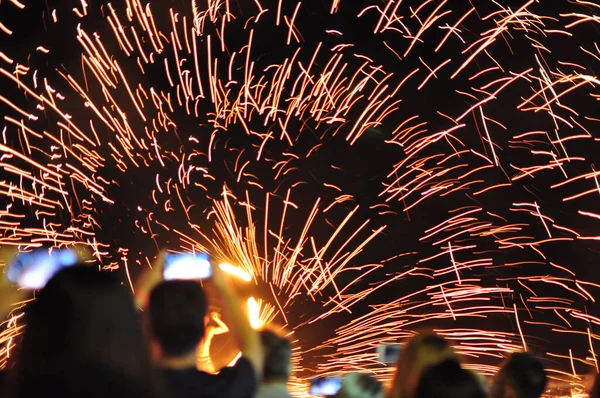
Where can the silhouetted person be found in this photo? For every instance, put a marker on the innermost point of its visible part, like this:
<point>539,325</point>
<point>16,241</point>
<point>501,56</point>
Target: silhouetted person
<point>177,314</point>
<point>83,337</point>
<point>448,380</point>
<point>214,327</point>
<point>84,379</point>
<point>521,376</point>
<point>421,352</point>
<point>277,367</point>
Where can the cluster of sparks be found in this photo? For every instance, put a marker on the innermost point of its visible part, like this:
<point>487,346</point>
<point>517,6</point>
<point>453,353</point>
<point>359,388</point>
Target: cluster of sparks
<point>505,147</point>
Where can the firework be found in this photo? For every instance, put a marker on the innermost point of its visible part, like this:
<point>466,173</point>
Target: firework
<point>372,169</point>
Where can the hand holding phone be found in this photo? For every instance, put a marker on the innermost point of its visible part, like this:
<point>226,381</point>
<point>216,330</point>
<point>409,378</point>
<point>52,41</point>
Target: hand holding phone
<point>325,386</point>
<point>187,266</point>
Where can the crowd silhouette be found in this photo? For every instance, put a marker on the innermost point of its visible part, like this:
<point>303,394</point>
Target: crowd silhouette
<point>87,335</point>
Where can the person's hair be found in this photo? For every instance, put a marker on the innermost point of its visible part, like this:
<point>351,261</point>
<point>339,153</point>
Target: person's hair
<point>360,385</point>
<point>278,356</point>
<point>524,374</point>
<point>177,310</point>
<point>448,380</point>
<point>82,316</point>
<point>420,352</point>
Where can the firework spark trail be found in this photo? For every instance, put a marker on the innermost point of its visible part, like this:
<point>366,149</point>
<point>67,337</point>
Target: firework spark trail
<point>295,268</point>
<point>107,117</point>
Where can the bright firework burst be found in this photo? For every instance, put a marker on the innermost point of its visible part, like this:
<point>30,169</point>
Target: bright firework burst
<point>376,166</point>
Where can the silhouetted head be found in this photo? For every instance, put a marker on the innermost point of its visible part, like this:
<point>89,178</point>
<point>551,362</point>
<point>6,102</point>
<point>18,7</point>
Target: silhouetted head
<point>278,357</point>
<point>448,380</point>
<point>422,351</point>
<point>360,385</point>
<point>83,316</point>
<point>521,376</point>
<point>177,311</point>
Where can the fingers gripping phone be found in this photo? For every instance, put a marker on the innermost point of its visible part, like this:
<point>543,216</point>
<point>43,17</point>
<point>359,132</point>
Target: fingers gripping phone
<point>325,386</point>
<point>32,270</point>
<point>187,266</point>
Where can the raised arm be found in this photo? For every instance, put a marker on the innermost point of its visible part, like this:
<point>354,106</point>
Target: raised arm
<point>247,338</point>
<point>148,280</point>
<point>221,326</point>
<point>10,295</point>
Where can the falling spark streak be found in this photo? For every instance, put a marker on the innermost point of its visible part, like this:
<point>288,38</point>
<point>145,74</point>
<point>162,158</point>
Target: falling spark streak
<point>489,139</point>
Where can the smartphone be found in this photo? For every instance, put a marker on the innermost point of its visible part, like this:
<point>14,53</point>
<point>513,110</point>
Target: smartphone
<point>32,270</point>
<point>325,386</point>
<point>389,353</point>
<point>187,266</point>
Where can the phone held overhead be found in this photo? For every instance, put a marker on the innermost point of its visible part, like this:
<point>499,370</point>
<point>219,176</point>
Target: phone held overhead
<point>325,386</point>
<point>187,266</point>
<point>32,270</point>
